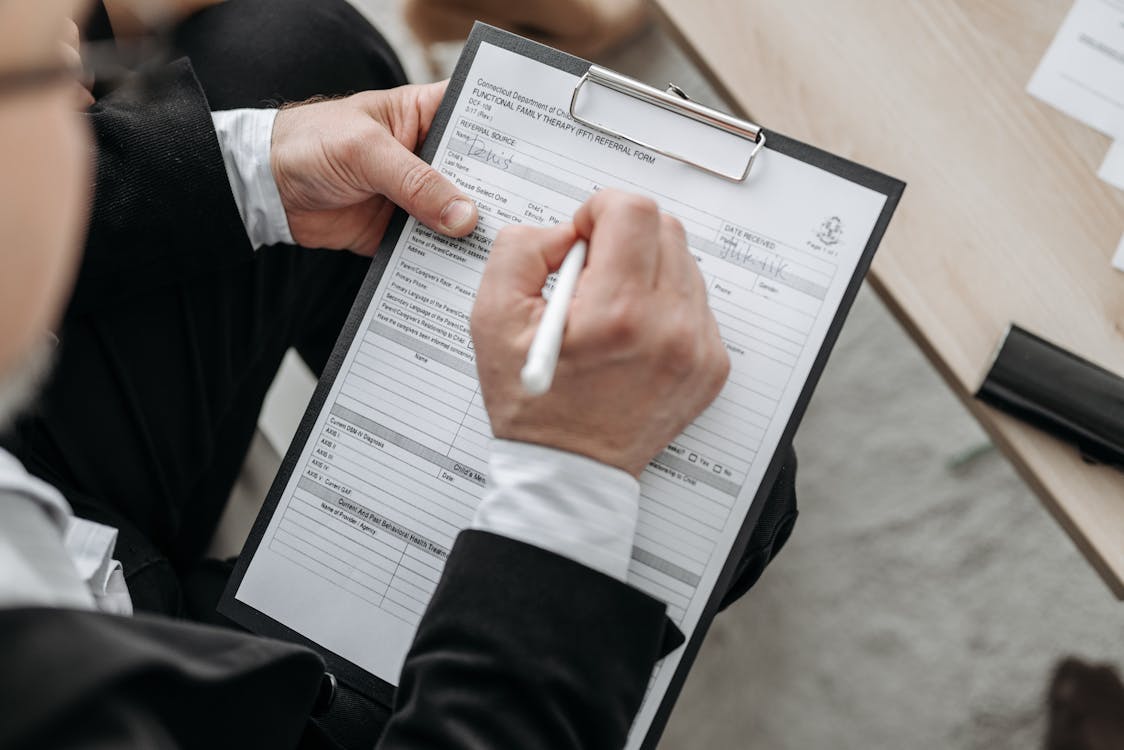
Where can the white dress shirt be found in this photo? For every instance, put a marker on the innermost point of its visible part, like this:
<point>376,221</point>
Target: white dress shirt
<point>558,501</point>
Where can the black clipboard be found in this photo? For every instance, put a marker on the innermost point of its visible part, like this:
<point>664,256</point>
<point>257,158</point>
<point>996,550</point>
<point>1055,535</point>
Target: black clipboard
<point>369,684</point>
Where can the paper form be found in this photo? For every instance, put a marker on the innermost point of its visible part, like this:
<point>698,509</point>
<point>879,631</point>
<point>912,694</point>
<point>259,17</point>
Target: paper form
<point>1112,168</point>
<point>396,462</point>
<point>1118,256</point>
<point>1082,73</point>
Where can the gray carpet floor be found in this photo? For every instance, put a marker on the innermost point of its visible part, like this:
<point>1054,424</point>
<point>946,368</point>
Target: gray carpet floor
<point>925,594</point>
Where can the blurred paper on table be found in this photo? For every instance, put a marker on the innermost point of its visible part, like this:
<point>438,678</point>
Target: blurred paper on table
<point>1112,168</point>
<point>1082,73</point>
<point>1118,259</point>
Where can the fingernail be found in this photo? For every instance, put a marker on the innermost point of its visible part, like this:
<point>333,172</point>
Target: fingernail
<point>457,216</point>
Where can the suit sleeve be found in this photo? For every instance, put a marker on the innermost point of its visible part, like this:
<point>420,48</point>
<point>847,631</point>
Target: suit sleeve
<point>526,649</point>
<point>86,679</point>
<point>519,648</point>
<point>163,210</point>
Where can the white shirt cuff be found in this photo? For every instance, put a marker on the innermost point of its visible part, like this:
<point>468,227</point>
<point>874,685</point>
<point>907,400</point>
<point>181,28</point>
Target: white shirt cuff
<point>47,556</point>
<point>563,503</point>
<point>245,139</point>
<point>91,546</point>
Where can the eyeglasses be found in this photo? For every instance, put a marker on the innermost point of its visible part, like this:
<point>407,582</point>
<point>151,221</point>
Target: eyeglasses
<point>108,62</point>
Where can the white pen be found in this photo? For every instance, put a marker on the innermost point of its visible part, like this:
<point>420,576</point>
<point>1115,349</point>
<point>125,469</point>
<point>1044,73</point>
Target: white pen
<point>542,357</point>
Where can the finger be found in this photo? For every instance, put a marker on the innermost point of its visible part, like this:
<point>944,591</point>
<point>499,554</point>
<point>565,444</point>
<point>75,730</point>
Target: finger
<point>623,233</point>
<point>717,353</point>
<point>407,111</point>
<point>520,260</point>
<point>429,100</point>
<point>677,270</point>
<point>420,189</point>
<point>71,36</point>
<point>679,274</point>
<point>83,99</point>
<point>70,56</point>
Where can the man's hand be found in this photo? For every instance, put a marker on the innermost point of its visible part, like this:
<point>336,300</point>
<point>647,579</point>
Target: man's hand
<point>641,356</point>
<point>71,55</point>
<point>341,166</point>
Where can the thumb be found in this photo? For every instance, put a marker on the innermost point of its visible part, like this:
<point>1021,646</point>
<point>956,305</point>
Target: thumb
<point>520,260</point>
<point>422,191</point>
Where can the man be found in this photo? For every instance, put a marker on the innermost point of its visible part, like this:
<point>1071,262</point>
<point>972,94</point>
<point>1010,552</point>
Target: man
<point>495,662</point>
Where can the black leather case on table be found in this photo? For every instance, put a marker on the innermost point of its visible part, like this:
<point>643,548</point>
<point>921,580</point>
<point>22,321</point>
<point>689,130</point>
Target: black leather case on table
<point>1059,392</point>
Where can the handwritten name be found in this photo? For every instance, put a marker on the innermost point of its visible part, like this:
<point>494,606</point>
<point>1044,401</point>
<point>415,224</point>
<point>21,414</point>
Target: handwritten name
<point>488,155</point>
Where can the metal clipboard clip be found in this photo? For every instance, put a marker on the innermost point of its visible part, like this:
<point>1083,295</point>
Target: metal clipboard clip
<point>673,100</point>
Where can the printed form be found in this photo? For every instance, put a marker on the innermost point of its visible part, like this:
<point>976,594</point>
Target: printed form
<point>396,462</point>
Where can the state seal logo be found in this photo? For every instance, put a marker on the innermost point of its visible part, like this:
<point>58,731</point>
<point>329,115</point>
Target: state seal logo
<point>831,231</point>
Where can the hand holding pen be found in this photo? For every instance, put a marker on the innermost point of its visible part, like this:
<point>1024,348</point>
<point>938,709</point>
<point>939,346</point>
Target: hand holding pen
<point>639,355</point>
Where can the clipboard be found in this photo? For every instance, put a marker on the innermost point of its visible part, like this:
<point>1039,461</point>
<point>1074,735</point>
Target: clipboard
<point>740,169</point>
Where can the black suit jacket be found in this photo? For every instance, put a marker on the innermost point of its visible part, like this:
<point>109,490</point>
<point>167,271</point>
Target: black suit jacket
<point>519,648</point>
<point>163,211</point>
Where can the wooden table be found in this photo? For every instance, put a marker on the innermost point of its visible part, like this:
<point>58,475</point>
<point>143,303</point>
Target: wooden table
<point>1004,218</point>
